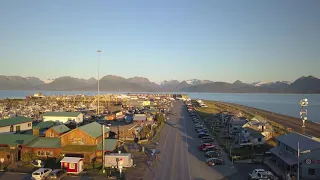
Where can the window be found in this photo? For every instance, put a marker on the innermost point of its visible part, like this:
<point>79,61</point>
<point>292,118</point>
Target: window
<point>17,128</point>
<point>11,128</point>
<point>40,153</point>
<point>29,124</point>
<point>49,153</point>
<point>311,172</point>
<point>72,166</point>
<point>51,134</point>
<point>259,139</point>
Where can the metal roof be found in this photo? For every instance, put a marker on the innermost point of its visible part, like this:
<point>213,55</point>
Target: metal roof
<point>14,120</point>
<point>109,144</point>
<point>93,129</point>
<point>305,142</point>
<point>44,142</point>
<point>62,114</point>
<point>15,139</point>
<point>60,128</point>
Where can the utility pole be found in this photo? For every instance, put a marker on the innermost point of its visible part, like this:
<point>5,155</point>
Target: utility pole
<point>98,110</point>
<point>298,174</point>
<point>103,171</point>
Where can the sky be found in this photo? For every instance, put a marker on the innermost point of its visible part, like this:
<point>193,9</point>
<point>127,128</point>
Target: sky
<point>226,40</point>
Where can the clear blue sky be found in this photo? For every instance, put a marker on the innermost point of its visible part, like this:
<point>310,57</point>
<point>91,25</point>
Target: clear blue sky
<point>161,40</point>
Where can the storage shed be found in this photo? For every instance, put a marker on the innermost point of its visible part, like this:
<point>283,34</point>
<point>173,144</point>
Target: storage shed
<point>73,165</point>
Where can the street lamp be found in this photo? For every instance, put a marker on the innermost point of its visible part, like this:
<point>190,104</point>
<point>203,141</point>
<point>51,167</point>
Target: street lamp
<point>98,110</point>
<point>303,112</point>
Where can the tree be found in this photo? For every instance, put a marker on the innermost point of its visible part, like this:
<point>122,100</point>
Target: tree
<point>27,157</point>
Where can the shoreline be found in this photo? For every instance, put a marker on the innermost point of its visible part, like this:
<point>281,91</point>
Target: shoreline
<point>287,122</point>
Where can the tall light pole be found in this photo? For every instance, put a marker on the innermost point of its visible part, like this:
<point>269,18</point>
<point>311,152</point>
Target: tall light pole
<point>303,113</point>
<point>98,110</point>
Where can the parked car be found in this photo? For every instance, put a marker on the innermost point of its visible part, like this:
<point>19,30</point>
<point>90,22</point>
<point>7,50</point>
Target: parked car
<point>214,161</point>
<point>211,154</point>
<point>207,140</point>
<point>202,134</point>
<point>204,145</point>
<point>57,174</point>
<point>41,173</point>
<point>209,148</point>
<point>261,174</point>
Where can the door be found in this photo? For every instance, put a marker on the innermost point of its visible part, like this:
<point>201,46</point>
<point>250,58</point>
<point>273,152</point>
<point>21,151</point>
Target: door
<point>80,166</point>
<point>17,128</point>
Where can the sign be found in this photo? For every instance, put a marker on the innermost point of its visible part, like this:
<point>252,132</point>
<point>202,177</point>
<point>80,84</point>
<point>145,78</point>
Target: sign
<point>310,161</point>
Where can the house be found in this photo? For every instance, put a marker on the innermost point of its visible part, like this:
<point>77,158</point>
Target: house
<point>11,145</point>
<point>235,124</point>
<point>251,137</point>
<point>63,117</point>
<point>263,127</point>
<point>15,125</point>
<point>83,141</point>
<point>286,154</point>
<point>139,118</point>
<point>56,131</point>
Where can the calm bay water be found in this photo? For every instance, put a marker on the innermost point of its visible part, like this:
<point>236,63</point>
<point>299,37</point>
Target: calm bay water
<point>287,104</point>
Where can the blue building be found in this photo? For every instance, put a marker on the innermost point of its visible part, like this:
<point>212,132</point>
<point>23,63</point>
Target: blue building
<point>286,154</point>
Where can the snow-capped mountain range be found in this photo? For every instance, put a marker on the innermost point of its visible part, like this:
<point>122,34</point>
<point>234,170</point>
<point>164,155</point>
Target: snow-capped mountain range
<point>264,83</point>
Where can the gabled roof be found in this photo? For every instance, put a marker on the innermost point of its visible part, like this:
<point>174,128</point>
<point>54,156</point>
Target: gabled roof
<point>62,114</point>
<point>14,120</point>
<point>44,142</point>
<point>93,129</point>
<point>254,133</point>
<point>60,128</point>
<point>16,139</point>
<point>109,144</point>
<point>45,125</point>
<point>305,142</point>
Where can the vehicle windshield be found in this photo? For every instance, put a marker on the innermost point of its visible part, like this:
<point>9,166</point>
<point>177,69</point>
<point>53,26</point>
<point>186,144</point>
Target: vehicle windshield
<point>36,173</point>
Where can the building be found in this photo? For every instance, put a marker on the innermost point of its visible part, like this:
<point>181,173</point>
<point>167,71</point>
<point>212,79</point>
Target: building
<point>252,137</point>
<point>73,165</point>
<point>139,118</point>
<point>63,117</point>
<point>57,131</point>
<point>15,125</point>
<point>11,145</point>
<point>83,141</point>
<point>286,154</point>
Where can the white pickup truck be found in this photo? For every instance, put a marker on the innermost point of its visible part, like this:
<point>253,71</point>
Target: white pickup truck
<point>261,174</point>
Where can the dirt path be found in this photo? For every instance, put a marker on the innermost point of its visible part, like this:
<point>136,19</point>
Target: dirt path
<point>286,121</point>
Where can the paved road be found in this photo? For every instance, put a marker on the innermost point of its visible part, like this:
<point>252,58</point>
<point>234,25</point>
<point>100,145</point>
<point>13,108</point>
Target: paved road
<point>179,157</point>
<point>23,176</point>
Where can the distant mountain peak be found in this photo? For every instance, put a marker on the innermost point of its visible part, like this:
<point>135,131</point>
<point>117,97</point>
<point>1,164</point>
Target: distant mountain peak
<point>238,82</point>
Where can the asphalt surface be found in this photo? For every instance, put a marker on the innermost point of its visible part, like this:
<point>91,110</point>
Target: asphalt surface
<point>180,157</point>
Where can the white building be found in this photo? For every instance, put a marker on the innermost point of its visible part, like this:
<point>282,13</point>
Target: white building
<point>63,117</point>
<point>15,124</point>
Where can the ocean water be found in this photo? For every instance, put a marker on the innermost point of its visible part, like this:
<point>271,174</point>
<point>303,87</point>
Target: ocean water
<point>287,104</point>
